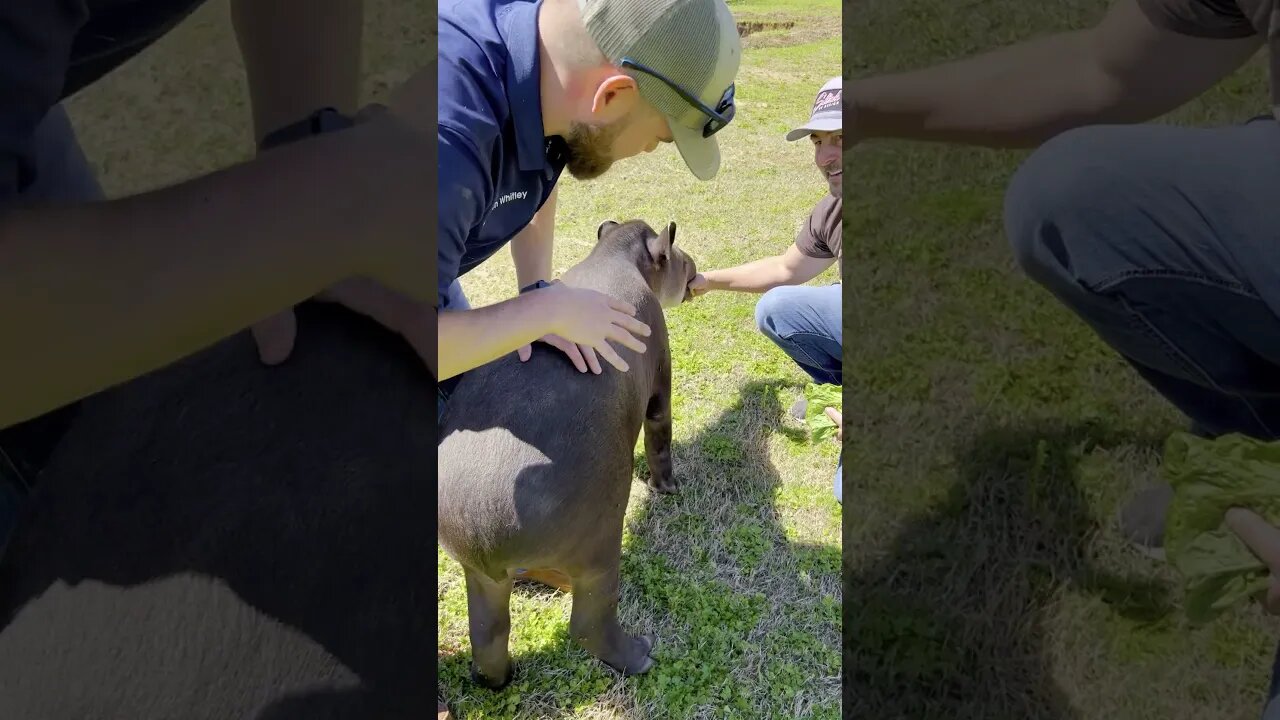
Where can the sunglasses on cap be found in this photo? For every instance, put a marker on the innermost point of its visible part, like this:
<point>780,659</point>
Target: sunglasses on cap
<point>719,118</point>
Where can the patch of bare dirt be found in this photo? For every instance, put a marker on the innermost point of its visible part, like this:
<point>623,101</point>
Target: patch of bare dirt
<point>776,31</point>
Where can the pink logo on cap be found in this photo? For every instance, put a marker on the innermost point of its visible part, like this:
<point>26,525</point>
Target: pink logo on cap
<point>826,99</point>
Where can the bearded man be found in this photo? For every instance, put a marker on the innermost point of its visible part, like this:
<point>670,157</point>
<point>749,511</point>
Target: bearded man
<point>529,88</point>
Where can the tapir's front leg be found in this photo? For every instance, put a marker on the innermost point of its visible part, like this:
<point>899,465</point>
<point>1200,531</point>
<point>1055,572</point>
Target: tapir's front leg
<point>657,433</point>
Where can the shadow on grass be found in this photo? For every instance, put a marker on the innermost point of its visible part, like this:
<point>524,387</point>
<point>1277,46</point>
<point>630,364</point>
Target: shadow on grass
<point>952,622</point>
<point>745,620</point>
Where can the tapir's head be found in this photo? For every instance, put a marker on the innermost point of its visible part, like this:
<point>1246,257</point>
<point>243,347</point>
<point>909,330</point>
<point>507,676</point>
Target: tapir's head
<point>666,267</point>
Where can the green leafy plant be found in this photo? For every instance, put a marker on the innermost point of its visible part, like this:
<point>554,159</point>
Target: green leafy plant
<point>819,398</point>
<point>1209,477</point>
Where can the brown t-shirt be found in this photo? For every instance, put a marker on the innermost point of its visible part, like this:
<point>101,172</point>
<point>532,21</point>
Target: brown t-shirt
<point>1224,19</point>
<point>820,237</point>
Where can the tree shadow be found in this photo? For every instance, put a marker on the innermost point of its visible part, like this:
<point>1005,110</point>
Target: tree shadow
<point>951,623</point>
<point>232,540</point>
<point>711,573</point>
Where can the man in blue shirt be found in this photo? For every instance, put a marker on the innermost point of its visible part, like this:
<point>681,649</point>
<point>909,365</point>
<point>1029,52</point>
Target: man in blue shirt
<point>529,88</point>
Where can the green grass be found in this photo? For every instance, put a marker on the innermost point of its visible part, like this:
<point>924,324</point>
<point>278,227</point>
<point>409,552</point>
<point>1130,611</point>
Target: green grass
<point>995,438</point>
<point>738,575</point>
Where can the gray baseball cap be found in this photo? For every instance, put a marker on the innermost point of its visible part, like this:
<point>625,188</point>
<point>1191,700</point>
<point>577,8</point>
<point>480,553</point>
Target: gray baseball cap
<point>684,55</point>
<point>826,112</point>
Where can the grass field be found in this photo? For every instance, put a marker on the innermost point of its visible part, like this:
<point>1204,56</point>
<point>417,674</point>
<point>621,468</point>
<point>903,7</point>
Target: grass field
<point>738,575</point>
<point>993,437</point>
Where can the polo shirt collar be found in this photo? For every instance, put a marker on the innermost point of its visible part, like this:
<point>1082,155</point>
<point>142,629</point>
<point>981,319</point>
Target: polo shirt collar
<point>519,31</point>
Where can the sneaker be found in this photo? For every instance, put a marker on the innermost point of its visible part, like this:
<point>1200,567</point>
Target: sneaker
<point>799,408</point>
<point>443,712</point>
<point>1201,431</point>
<point>1141,521</point>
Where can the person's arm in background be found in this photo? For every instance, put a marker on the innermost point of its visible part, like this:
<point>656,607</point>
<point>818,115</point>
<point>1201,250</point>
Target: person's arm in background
<point>1125,69</point>
<point>97,294</point>
<point>532,248</point>
<point>301,56</point>
<point>792,267</point>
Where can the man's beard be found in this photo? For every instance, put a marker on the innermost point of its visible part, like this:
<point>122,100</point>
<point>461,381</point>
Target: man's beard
<point>835,189</point>
<point>588,155</point>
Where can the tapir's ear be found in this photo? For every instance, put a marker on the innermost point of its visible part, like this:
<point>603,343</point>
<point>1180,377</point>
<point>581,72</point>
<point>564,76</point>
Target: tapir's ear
<point>604,226</point>
<point>660,244</point>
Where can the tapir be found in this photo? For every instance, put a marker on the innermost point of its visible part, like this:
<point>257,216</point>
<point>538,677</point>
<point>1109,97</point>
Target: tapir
<point>221,539</point>
<point>536,459</point>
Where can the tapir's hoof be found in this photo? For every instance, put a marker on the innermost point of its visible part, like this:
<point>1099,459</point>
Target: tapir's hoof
<point>640,661</point>
<point>644,667</point>
<point>666,486</point>
<point>488,682</point>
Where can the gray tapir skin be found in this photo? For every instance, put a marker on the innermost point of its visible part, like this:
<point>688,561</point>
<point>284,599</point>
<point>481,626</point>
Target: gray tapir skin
<point>230,541</point>
<point>536,459</point>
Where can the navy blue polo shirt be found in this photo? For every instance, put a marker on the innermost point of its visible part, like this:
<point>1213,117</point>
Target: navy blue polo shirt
<point>50,49</point>
<point>496,168</point>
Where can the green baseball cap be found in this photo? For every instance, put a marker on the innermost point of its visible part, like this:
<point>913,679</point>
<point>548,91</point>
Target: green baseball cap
<point>684,55</point>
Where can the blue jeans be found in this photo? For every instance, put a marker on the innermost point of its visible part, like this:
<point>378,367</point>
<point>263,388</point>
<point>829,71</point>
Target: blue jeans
<point>1272,709</point>
<point>806,323</point>
<point>456,300</point>
<point>1163,240</point>
<point>63,175</point>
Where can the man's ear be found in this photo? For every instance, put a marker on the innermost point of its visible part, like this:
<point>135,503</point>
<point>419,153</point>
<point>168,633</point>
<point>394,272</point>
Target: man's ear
<point>660,244</point>
<point>604,227</point>
<point>615,97</point>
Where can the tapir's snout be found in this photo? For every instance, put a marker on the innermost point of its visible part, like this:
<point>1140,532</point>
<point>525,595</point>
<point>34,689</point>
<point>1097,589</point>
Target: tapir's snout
<point>690,272</point>
<point>693,272</point>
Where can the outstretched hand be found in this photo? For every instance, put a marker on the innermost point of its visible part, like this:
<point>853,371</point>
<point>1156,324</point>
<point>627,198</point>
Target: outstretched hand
<point>698,285</point>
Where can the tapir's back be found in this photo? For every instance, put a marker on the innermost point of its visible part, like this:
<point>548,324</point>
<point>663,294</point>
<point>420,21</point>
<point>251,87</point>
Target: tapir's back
<point>222,539</point>
<point>524,444</point>
<point>548,402</point>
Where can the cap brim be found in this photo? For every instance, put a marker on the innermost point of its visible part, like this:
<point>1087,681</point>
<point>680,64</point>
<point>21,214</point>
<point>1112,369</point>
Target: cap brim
<point>809,128</point>
<point>701,154</point>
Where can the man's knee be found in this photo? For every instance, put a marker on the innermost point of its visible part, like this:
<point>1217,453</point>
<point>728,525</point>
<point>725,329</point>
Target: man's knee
<point>1059,190</point>
<point>770,307</point>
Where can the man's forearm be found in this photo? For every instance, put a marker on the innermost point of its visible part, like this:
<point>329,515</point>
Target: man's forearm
<point>532,248</point>
<point>97,294</point>
<point>471,338</point>
<point>1126,69</point>
<point>756,277</point>
<point>1018,96</point>
<point>300,56</point>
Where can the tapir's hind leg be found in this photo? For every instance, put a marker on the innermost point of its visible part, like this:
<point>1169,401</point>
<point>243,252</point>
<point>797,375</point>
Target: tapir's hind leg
<point>594,622</point>
<point>489,612</point>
